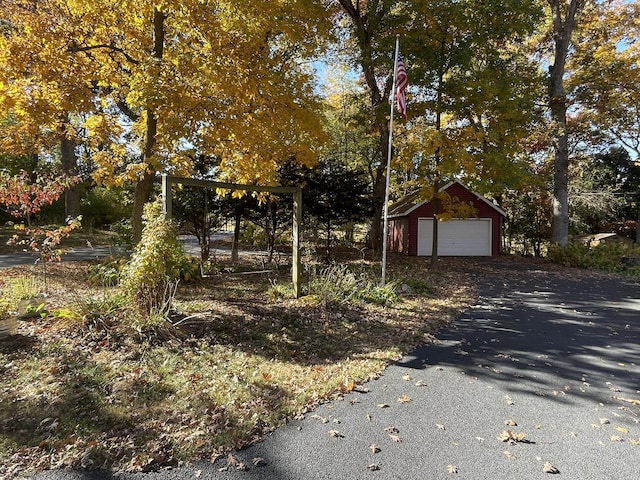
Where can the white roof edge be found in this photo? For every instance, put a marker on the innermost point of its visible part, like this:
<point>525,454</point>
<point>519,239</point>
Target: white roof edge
<point>480,197</point>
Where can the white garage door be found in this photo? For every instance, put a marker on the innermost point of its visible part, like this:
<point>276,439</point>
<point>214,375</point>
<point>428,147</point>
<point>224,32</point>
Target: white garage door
<point>464,238</point>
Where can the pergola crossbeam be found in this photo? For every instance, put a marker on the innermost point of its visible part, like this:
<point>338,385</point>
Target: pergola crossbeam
<point>296,267</point>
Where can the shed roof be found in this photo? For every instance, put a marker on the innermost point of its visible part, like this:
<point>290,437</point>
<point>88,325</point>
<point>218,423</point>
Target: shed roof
<point>407,204</point>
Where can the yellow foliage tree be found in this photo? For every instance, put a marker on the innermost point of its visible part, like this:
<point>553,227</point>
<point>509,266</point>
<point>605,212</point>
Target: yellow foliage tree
<point>154,83</point>
<point>604,73</point>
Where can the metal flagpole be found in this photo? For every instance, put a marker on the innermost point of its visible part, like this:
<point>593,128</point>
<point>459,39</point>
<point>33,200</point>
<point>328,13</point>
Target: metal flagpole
<point>385,230</point>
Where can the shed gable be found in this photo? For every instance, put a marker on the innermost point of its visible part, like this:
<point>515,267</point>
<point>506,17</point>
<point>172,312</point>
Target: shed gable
<point>411,226</point>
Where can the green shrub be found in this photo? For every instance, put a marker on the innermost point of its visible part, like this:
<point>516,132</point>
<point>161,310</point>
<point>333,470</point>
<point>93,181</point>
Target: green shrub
<point>150,276</point>
<point>604,256</point>
<point>124,233</point>
<point>106,273</point>
<point>278,291</point>
<point>105,206</point>
<point>189,269</point>
<point>106,310</point>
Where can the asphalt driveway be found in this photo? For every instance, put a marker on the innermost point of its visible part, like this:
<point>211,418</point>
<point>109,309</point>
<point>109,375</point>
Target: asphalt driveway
<point>544,370</point>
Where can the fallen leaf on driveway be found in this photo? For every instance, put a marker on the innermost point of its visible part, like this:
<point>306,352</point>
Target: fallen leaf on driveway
<point>404,399</point>
<point>335,434</point>
<point>628,400</point>
<point>373,467</point>
<point>374,448</point>
<point>511,437</point>
<point>452,469</point>
<point>548,468</point>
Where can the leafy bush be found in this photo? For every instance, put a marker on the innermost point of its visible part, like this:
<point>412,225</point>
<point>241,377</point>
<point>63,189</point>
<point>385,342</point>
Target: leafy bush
<point>124,232</point>
<point>105,206</point>
<point>604,256</point>
<point>336,284</point>
<point>150,276</point>
<point>106,273</point>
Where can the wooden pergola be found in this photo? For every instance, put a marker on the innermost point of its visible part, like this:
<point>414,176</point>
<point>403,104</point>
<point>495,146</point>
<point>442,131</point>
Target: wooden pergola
<point>168,180</point>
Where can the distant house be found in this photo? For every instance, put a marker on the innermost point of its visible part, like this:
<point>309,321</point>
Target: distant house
<point>604,238</point>
<point>411,226</point>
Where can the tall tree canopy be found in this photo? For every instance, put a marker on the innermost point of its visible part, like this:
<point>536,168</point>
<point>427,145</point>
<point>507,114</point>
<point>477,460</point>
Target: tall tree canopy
<point>148,84</point>
<point>473,96</point>
<point>605,76</point>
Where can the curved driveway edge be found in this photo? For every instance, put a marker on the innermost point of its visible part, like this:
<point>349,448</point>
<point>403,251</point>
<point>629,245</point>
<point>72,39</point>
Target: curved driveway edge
<point>543,370</point>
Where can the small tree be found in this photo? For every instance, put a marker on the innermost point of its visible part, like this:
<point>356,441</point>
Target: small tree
<point>24,199</point>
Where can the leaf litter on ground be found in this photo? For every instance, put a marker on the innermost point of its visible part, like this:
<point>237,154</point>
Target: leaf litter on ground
<point>240,368</point>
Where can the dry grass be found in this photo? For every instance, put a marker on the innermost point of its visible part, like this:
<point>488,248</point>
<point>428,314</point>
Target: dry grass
<point>85,394</point>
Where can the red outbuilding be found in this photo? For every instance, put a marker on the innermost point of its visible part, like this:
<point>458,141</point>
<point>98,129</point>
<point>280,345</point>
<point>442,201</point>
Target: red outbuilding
<point>411,226</point>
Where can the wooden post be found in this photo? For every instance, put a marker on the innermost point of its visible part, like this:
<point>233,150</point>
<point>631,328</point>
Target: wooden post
<point>167,205</point>
<point>296,264</point>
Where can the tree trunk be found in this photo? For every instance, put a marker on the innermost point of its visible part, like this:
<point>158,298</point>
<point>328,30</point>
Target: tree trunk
<point>364,23</point>
<point>376,228</point>
<point>638,226</point>
<point>69,162</point>
<point>437,176</point>
<point>236,235</point>
<point>562,31</point>
<point>141,196</point>
<point>434,239</point>
<point>144,187</point>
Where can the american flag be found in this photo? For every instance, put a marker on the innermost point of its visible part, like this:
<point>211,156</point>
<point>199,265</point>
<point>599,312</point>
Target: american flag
<point>401,86</point>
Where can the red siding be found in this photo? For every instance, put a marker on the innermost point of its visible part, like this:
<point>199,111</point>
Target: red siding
<point>406,228</point>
